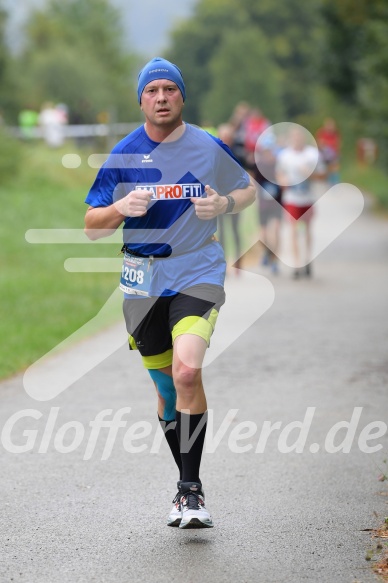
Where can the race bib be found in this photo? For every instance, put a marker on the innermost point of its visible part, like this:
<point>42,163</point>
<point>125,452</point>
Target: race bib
<point>136,275</point>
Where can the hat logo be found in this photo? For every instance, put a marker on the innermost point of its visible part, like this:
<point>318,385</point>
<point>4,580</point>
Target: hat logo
<point>158,71</point>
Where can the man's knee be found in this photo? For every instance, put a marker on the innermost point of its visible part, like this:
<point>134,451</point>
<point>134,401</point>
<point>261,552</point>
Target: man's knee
<point>186,379</point>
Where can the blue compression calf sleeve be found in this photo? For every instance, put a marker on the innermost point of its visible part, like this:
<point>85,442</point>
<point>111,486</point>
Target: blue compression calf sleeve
<point>166,389</point>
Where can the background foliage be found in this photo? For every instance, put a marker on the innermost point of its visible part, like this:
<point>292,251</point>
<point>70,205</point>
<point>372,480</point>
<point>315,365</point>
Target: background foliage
<point>72,53</point>
<point>297,61</point>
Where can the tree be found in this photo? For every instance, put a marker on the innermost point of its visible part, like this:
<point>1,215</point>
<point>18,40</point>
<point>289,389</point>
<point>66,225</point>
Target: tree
<point>4,64</point>
<point>287,33</point>
<point>3,48</point>
<point>193,44</point>
<point>356,38</point>
<point>344,39</point>
<point>242,69</point>
<point>292,29</point>
<point>74,54</point>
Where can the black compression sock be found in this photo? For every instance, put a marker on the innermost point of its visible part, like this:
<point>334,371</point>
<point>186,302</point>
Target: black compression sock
<point>191,445</point>
<point>172,440</point>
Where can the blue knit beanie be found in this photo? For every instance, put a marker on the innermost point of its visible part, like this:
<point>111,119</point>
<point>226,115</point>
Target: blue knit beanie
<point>159,68</point>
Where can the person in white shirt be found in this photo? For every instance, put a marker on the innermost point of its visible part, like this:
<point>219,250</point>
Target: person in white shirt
<point>297,165</point>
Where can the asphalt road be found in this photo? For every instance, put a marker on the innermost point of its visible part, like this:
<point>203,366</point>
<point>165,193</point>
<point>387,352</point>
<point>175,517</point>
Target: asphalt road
<point>317,355</point>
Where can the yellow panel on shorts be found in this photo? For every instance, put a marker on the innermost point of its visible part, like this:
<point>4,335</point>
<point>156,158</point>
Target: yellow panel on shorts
<point>132,342</point>
<point>196,325</point>
<point>155,361</point>
<point>158,360</point>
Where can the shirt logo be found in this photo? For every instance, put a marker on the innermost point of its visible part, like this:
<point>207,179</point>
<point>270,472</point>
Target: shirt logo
<point>173,191</point>
<point>146,158</point>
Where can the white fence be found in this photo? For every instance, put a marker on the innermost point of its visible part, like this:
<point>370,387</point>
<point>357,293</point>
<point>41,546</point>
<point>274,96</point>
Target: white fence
<point>80,131</point>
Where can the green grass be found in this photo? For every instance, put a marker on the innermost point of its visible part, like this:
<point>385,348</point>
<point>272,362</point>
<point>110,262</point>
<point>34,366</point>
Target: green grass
<point>42,303</point>
<point>370,179</point>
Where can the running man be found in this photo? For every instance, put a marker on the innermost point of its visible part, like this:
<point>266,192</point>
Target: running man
<point>167,182</point>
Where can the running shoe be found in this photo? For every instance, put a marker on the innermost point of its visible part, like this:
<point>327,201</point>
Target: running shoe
<point>175,515</point>
<point>194,513</point>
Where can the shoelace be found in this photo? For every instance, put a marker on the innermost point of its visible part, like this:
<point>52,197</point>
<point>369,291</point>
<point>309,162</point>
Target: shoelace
<point>193,501</point>
<point>177,498</point>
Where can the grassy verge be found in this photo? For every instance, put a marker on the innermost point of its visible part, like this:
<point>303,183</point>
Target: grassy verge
<point>369,179</point>
<point>42,303</point>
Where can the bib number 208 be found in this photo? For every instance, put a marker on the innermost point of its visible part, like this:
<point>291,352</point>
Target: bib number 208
<point>132,275</point>
<point>136,273</point>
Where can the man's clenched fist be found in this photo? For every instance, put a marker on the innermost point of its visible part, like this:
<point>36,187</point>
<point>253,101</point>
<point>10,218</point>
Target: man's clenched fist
<point>134,204</point>
<point>211,206</point>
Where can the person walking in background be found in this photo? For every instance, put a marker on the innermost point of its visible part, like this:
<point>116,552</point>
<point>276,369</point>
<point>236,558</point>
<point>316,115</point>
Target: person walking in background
<point>167,182</point>
<point>297,165</point>
<point>238,122</point>
<point>226,133</point>
<point>28,120</point>
<point>329,143</point>
<point>255,124</point>
<point>269,196</point>
<point>63,113</point>
<point>51,122</point>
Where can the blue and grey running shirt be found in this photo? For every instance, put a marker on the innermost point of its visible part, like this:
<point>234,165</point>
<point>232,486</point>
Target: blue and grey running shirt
<point>175,171</point>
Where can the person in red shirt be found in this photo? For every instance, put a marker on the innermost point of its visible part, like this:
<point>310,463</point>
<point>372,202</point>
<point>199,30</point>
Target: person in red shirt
<point>329,144</point>
<point>255,125</point>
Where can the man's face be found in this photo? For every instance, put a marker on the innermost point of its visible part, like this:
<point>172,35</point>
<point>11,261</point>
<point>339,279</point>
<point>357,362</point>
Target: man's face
<point>162,103</point>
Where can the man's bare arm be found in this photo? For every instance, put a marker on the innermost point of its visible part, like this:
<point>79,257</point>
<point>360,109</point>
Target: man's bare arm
<point>103,221</point>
